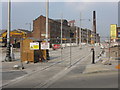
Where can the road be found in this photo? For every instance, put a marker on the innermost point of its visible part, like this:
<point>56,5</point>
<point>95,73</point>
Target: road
<point>98,80</point>
<point>59,65</point>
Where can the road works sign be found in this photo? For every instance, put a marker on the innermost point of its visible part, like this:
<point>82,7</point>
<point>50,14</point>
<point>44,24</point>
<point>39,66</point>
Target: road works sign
<point>45,45</point>
<point>113,31</point>
<point>34,46</point>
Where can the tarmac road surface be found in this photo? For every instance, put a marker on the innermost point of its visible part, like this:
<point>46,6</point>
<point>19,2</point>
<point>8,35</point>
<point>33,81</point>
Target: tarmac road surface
<point>98,80</point>
<point>39,78</point>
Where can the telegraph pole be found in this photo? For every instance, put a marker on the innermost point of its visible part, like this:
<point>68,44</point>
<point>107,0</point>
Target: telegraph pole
<point>61,28</point>
<point>76,35</point>
<point>47,12</point>
<point>46,36</point>
<point>80,31</point>
<point>87,37</point>
<point>8,53</point>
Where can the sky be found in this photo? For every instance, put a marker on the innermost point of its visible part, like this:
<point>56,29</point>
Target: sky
<point>23,13</point>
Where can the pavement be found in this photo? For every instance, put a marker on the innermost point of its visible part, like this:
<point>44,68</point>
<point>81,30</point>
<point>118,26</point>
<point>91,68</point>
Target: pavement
<point>101,67</point>
<point>15,74</point>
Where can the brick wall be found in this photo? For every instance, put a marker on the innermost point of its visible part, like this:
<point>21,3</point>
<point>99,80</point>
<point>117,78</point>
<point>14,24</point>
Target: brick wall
<point>54,30</point>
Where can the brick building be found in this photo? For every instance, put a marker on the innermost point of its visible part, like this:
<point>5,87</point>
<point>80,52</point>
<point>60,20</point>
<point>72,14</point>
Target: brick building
<point>54,29</point>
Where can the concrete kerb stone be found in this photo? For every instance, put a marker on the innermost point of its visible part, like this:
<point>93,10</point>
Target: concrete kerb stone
<point>95,68</point>
<point>102,64</point>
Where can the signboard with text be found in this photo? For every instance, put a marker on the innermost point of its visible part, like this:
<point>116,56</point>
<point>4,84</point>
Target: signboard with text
<point>113,31</point>
<point>45,45</point>
<point>34,46</point>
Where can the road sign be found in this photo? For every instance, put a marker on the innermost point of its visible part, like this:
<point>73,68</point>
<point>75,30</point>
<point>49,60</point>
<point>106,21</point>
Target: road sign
<point>45,45</point>
<point>34,46</point>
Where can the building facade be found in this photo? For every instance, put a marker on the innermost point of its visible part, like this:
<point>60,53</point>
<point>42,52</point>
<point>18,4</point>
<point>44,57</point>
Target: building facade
<point>54,29</point>
<point>118,34</point>
<point>69,30</point>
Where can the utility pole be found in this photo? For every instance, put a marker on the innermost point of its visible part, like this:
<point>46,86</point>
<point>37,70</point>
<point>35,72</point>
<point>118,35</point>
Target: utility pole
<point>87,36</point>
<point>46,36</point>
<point>61,28</point>
<point>109,47</point>
<point>76,35</point>
<point>80,32</point>
<point>47,12</point>
<point>8,53</point>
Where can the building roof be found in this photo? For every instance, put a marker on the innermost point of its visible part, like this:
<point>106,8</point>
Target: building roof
<point>22,30</point>
<point>65,22</point>
<point>2,31</point>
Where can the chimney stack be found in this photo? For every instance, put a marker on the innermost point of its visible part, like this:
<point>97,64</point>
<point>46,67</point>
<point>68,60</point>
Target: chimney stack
<point>94,22</point>
<point>94,26</point>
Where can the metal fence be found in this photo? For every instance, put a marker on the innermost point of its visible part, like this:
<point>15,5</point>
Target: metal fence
<point>65,52</point>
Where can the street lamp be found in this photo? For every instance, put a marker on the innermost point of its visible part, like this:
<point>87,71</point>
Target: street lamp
<point>8,52</point>
<point>47,14</point>
<point>46,36</point>
<point>61,28</point>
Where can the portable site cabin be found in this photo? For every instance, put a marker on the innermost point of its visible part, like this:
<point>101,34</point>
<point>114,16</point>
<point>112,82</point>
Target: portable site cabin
<point>31,50</point>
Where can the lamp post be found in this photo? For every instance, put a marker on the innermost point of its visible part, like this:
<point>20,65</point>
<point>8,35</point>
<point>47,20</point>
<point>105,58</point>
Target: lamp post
<point>8,52</point>
<point>80,32</point>
<point>61,28</point>
<point>47,12</point>
<point>76,35</point>
<point>87,36</point>
<point>46,36</point>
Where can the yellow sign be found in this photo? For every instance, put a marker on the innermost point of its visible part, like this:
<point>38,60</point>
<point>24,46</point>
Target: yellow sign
<point>113,31</point>
<point>64,39</point>
<point>34,46</point>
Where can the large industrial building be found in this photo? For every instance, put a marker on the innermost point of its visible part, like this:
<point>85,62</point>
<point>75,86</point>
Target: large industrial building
<point>69,30</point>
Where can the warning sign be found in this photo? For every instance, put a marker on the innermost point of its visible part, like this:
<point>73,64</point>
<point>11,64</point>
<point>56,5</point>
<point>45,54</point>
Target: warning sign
<point>45,45</point>
<point>34,46</point>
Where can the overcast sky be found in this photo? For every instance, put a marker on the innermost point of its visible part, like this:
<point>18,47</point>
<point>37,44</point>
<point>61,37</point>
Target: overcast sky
<point>26,12</point>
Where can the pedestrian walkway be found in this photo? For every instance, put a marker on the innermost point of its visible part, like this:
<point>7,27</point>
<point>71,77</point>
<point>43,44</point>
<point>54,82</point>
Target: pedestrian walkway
<point>101,66</point>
